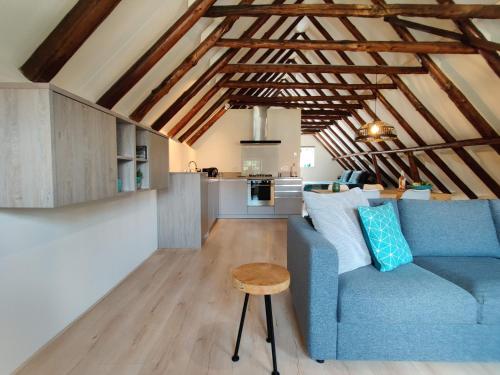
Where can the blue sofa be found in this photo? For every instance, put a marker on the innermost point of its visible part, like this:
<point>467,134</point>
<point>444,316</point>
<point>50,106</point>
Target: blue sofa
<point>443,307</point>
<point>352,178</point>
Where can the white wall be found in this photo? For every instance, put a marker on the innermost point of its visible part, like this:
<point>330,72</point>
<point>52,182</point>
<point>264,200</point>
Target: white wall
<point>56,263</point>
<point>180,154</point>
<point>325,169</point>
<point>220,145</point>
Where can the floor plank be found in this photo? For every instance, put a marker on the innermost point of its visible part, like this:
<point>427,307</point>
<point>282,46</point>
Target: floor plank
<point>178,314</point>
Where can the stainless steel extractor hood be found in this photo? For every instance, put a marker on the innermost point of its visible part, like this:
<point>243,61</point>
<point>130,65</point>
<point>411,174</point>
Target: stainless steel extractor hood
<point>259,128</point>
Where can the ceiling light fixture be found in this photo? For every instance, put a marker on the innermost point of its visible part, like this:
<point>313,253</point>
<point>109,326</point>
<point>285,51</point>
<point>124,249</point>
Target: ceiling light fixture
<point>377,130</point>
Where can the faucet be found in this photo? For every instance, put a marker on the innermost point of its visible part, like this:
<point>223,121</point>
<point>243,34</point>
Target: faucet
<point>195,166</point>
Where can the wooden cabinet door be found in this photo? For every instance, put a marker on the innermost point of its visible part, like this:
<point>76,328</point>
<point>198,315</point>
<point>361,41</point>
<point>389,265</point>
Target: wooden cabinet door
<point>158,162</point>
<point>233,197</point>
<point>84,150</point>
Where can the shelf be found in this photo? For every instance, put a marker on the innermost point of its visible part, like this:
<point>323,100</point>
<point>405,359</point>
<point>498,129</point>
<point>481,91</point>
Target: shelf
<point>141,160</point>
<point>125,158</point>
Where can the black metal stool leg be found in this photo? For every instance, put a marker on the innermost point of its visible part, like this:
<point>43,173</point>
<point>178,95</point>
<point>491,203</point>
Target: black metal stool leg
<point>268,338</point>
<point>270,325</point>
<point>240,330</point>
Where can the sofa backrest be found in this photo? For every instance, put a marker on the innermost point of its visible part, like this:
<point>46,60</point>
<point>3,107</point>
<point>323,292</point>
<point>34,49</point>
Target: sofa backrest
<point>356,177</point>
<point>449,228</point>
<point>495,212</point>
<point>344,177</point>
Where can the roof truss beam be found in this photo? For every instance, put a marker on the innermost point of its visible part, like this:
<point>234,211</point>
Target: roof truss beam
<point>372,11</point>
<point>353,46</point>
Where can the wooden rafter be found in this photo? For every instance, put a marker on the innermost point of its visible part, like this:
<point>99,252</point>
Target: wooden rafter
<point>454,93</point>
<point>372,11</point>
<point>348,45</point>
<point>486,48</point>
<point>471,40</point>
<point>302,98</point>
<point>66,38</point>
<point>185,120</point>
<point>204,79</point>
<point>149,59</point>
<point>184,67</point>
<point>438,146</point>
<point>310,68</point>
<point>464,155</point>
<point>306,86</point>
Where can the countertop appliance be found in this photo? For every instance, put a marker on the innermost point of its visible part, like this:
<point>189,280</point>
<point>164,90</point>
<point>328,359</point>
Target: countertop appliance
<point>212,172</point>
<point>260,192</point>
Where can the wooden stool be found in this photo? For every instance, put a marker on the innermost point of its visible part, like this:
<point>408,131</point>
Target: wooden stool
<point>260,279</point>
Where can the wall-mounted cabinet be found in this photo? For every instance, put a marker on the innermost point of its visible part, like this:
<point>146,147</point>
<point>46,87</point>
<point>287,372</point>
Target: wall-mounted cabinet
<point>59,149</point>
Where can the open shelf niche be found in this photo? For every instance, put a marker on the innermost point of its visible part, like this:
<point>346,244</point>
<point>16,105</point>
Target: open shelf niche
<point>143,139</point>
<point>125,140</point>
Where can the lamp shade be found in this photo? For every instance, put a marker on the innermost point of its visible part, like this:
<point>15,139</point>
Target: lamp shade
<point>376,131</point>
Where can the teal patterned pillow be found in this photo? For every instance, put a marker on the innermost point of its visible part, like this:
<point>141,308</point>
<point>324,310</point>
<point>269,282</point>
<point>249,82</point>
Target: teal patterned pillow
<point>384,238</point>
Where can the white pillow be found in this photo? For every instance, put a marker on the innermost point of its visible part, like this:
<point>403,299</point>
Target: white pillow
<point>335,217</point>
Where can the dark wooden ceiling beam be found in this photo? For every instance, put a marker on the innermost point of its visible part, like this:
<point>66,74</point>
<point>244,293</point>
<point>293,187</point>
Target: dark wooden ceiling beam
<point>348,45</point>
<point>307,86</point>
<point>311,106</point>
<point>389,107</point>
<point>164,87</point>
<point>437,146</point>
<point>159,49</point>
<point>205,78</point>
<point>66,38</point>
<point>211,93</point>
<point>302,98</point>
<point>207,125</point>
<point>181,124</point>
<point>487,49</point>
<point>454,93</point>
<point>329,150</point>
<point>310,68</point>
<point>471,40</point>
<point>373,11</point>
<point>431,119</point>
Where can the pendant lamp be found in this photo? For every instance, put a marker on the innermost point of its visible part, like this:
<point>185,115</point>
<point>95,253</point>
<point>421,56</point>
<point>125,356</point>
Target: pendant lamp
<point>376,131</point>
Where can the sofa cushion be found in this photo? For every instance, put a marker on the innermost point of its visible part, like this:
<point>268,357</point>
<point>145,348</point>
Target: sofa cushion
<point>480,276</point>
<point>344,177</point>
<point>495,212</point>
<point>409,294</point>
<point>335,217</point>
<point>355,177</point>
<point>383,236</point>
<point>449,228</point>
<point>374,202</point>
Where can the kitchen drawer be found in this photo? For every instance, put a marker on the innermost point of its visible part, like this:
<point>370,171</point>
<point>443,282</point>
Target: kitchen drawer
<point>288,194</point>
<point>288,188</point>
<point>287,206</point>
<point>288,181</point>
<point>260,210</point>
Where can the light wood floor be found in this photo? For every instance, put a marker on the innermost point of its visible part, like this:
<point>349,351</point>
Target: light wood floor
<point>178,314</point>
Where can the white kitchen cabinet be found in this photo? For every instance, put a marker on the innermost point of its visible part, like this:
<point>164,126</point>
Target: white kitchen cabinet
<point>233,197</point>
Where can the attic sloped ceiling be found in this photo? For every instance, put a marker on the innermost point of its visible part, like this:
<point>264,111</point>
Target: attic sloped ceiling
<point>132,27</point>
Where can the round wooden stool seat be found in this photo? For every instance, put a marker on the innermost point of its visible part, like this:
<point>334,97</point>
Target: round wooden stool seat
<point>261,278</point>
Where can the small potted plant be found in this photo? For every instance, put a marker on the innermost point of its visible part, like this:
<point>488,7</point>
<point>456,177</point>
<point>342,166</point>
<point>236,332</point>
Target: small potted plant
<point>138,178</point>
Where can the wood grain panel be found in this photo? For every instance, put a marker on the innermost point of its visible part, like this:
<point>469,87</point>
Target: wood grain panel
<point>25,140</point>
<point>85,152</point>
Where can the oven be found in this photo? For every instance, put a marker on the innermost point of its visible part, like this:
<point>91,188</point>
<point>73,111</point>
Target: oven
<point>260,192</point>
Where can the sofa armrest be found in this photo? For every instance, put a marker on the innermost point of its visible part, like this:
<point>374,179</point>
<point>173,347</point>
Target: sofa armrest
<point>313,265</point>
